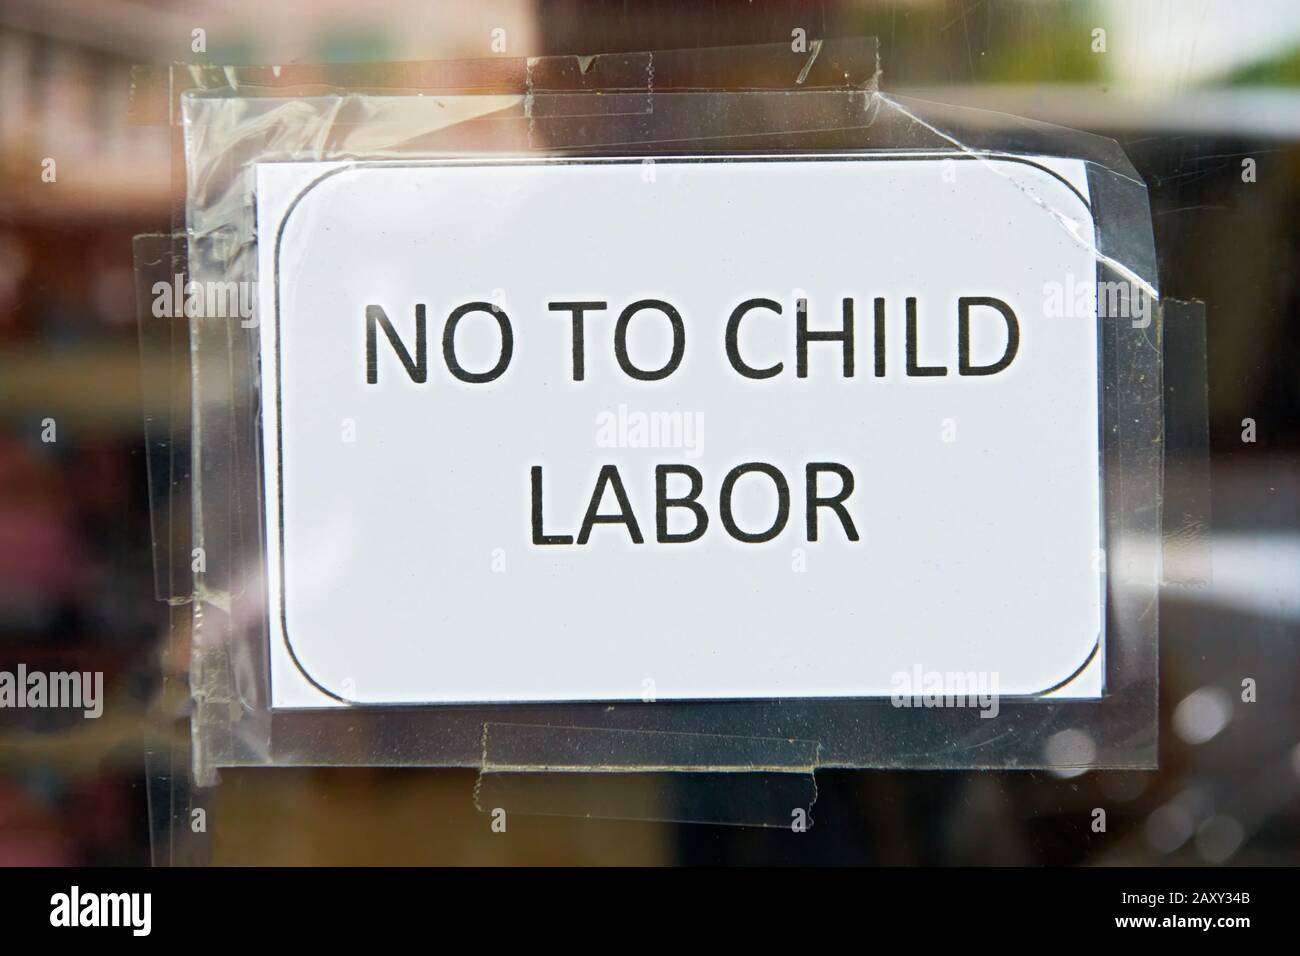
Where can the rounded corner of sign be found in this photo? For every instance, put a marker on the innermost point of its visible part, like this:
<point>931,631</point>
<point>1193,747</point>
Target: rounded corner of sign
<point>335,697</point>
<point>1071,188</point>
<point>298,200</point>
<point>1061,688</point>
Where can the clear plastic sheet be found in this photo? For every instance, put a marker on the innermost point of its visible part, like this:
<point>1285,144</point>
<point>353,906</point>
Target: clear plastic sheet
<point>204,462</point>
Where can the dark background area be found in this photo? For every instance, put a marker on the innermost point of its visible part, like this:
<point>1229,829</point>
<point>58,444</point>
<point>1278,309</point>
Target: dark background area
<point>1189,90</point>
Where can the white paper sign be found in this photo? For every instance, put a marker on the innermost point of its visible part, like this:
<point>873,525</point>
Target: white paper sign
<point>736,427</point>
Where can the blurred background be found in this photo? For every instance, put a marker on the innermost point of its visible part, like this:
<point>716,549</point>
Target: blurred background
<point>1190,89</point>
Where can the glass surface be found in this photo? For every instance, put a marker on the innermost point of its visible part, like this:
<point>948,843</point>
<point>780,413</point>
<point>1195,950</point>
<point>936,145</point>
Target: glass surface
<point>1206,107</point>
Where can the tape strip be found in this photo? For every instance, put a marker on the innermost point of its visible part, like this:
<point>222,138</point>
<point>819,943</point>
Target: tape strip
<point>546,770</point>
<point>1186,536</point>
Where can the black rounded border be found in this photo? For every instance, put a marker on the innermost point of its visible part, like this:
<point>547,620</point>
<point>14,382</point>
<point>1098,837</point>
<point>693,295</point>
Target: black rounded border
<point>349,166</point>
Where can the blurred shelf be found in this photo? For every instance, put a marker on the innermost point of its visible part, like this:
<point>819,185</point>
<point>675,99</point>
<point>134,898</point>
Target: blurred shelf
<point>1255,112</point>
<point>93,384</point>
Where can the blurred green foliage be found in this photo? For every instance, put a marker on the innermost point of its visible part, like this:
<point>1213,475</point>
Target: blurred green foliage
<point>1280,70</point>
